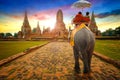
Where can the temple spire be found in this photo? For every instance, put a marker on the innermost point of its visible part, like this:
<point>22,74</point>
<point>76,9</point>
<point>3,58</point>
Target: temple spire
<point>93,25</point>
<point>26,29</point>
<point>38,31</point>
<point>26,22</point>
<point>59,17</point>
<point>60,30</point>
<point>93,18</point>
<point>25,16</point>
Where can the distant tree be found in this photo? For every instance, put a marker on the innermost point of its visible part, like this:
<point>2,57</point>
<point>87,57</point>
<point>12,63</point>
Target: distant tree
<point>34,30</point>
<point>15,35</point>
<point>2,35</point>
<point>117,31</point>
<point>109,32</point>
<point>104,33</point>
<point>8,35</point>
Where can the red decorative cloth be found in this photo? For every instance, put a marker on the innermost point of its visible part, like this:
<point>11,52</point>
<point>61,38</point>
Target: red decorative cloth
<point>80,18</point>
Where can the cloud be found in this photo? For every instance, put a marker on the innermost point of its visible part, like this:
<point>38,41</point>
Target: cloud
<point>42,17</point>
<point>14,16</point>
<point>44,14</point>
<point>106,14</point>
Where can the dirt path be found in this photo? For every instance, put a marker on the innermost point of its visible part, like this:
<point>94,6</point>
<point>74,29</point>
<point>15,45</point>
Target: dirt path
<point>55,61</point>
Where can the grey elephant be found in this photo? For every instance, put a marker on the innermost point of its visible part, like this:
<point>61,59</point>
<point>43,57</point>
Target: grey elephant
<point>84,42</point>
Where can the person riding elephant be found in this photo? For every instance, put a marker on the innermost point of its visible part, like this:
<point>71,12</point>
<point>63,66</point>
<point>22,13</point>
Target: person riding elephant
<point>80,18</point>
<point>87,18</point>
<point>82,40</point>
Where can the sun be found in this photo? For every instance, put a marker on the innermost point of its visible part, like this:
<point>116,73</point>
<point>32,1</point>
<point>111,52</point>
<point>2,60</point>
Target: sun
<point>48,23</point>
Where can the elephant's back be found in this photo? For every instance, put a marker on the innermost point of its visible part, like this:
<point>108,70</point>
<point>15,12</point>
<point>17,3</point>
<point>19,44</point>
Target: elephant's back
<point>83,38</point>
<point>83,34</point>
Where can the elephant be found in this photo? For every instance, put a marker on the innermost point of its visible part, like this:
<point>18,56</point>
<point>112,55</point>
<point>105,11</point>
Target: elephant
<point>83,48</point>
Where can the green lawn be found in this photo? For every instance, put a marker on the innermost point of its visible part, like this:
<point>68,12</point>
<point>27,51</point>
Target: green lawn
<point>8,48</point>
<point>110,48</point>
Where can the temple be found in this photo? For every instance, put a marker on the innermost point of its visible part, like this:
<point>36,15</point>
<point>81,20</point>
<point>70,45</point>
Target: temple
<point>26,29</point>
<point>93,27</point>
<point>59,30</point>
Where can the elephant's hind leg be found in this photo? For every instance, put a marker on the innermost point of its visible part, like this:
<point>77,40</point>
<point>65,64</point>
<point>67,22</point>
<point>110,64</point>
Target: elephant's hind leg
<point>76,56</point>
<point>85,62</point>
<point>89,60</point>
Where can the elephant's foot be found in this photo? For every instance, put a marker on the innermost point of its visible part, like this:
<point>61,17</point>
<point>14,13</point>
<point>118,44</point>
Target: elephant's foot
<point>77,69</point>
<point>87,75</point>
<point>86,71</point>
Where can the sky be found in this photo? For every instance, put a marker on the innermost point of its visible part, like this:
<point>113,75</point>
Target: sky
<point>107,13</point>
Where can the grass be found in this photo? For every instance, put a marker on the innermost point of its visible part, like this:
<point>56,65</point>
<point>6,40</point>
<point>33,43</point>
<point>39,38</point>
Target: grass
<point>110,48</point>
<point>9,48</point>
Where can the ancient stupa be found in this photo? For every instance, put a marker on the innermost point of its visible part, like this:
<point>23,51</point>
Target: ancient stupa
<point>60,30</point>
<point>38,30</point>
<point>93,27</point>
<point>26,29</point>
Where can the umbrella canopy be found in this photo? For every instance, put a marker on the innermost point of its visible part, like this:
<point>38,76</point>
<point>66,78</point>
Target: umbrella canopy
<point>81,4</point>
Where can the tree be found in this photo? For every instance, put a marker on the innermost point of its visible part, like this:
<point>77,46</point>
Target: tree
<point>15,35</point>
<point>8,35</point>
<point>2,35</point>
<point>104,33</point>
<point>34,30</point>
<point>117,31</point>
<point>109,32</point>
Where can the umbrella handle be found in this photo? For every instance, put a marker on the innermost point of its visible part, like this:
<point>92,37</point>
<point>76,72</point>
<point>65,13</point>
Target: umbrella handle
<point>82,9</point>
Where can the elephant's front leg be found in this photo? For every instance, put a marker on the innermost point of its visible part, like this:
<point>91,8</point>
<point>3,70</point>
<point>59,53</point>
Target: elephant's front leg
<point>76,56</point>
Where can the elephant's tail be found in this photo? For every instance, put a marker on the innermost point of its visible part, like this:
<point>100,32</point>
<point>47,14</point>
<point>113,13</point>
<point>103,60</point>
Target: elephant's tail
<point>80,55</point>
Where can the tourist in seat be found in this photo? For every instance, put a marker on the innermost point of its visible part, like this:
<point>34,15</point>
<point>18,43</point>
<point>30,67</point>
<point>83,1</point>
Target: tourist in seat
<point>78,18</point>
<point>86,19</point>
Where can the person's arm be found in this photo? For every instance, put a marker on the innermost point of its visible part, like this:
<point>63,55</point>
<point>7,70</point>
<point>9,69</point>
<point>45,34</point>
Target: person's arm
<point>86,19</point>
